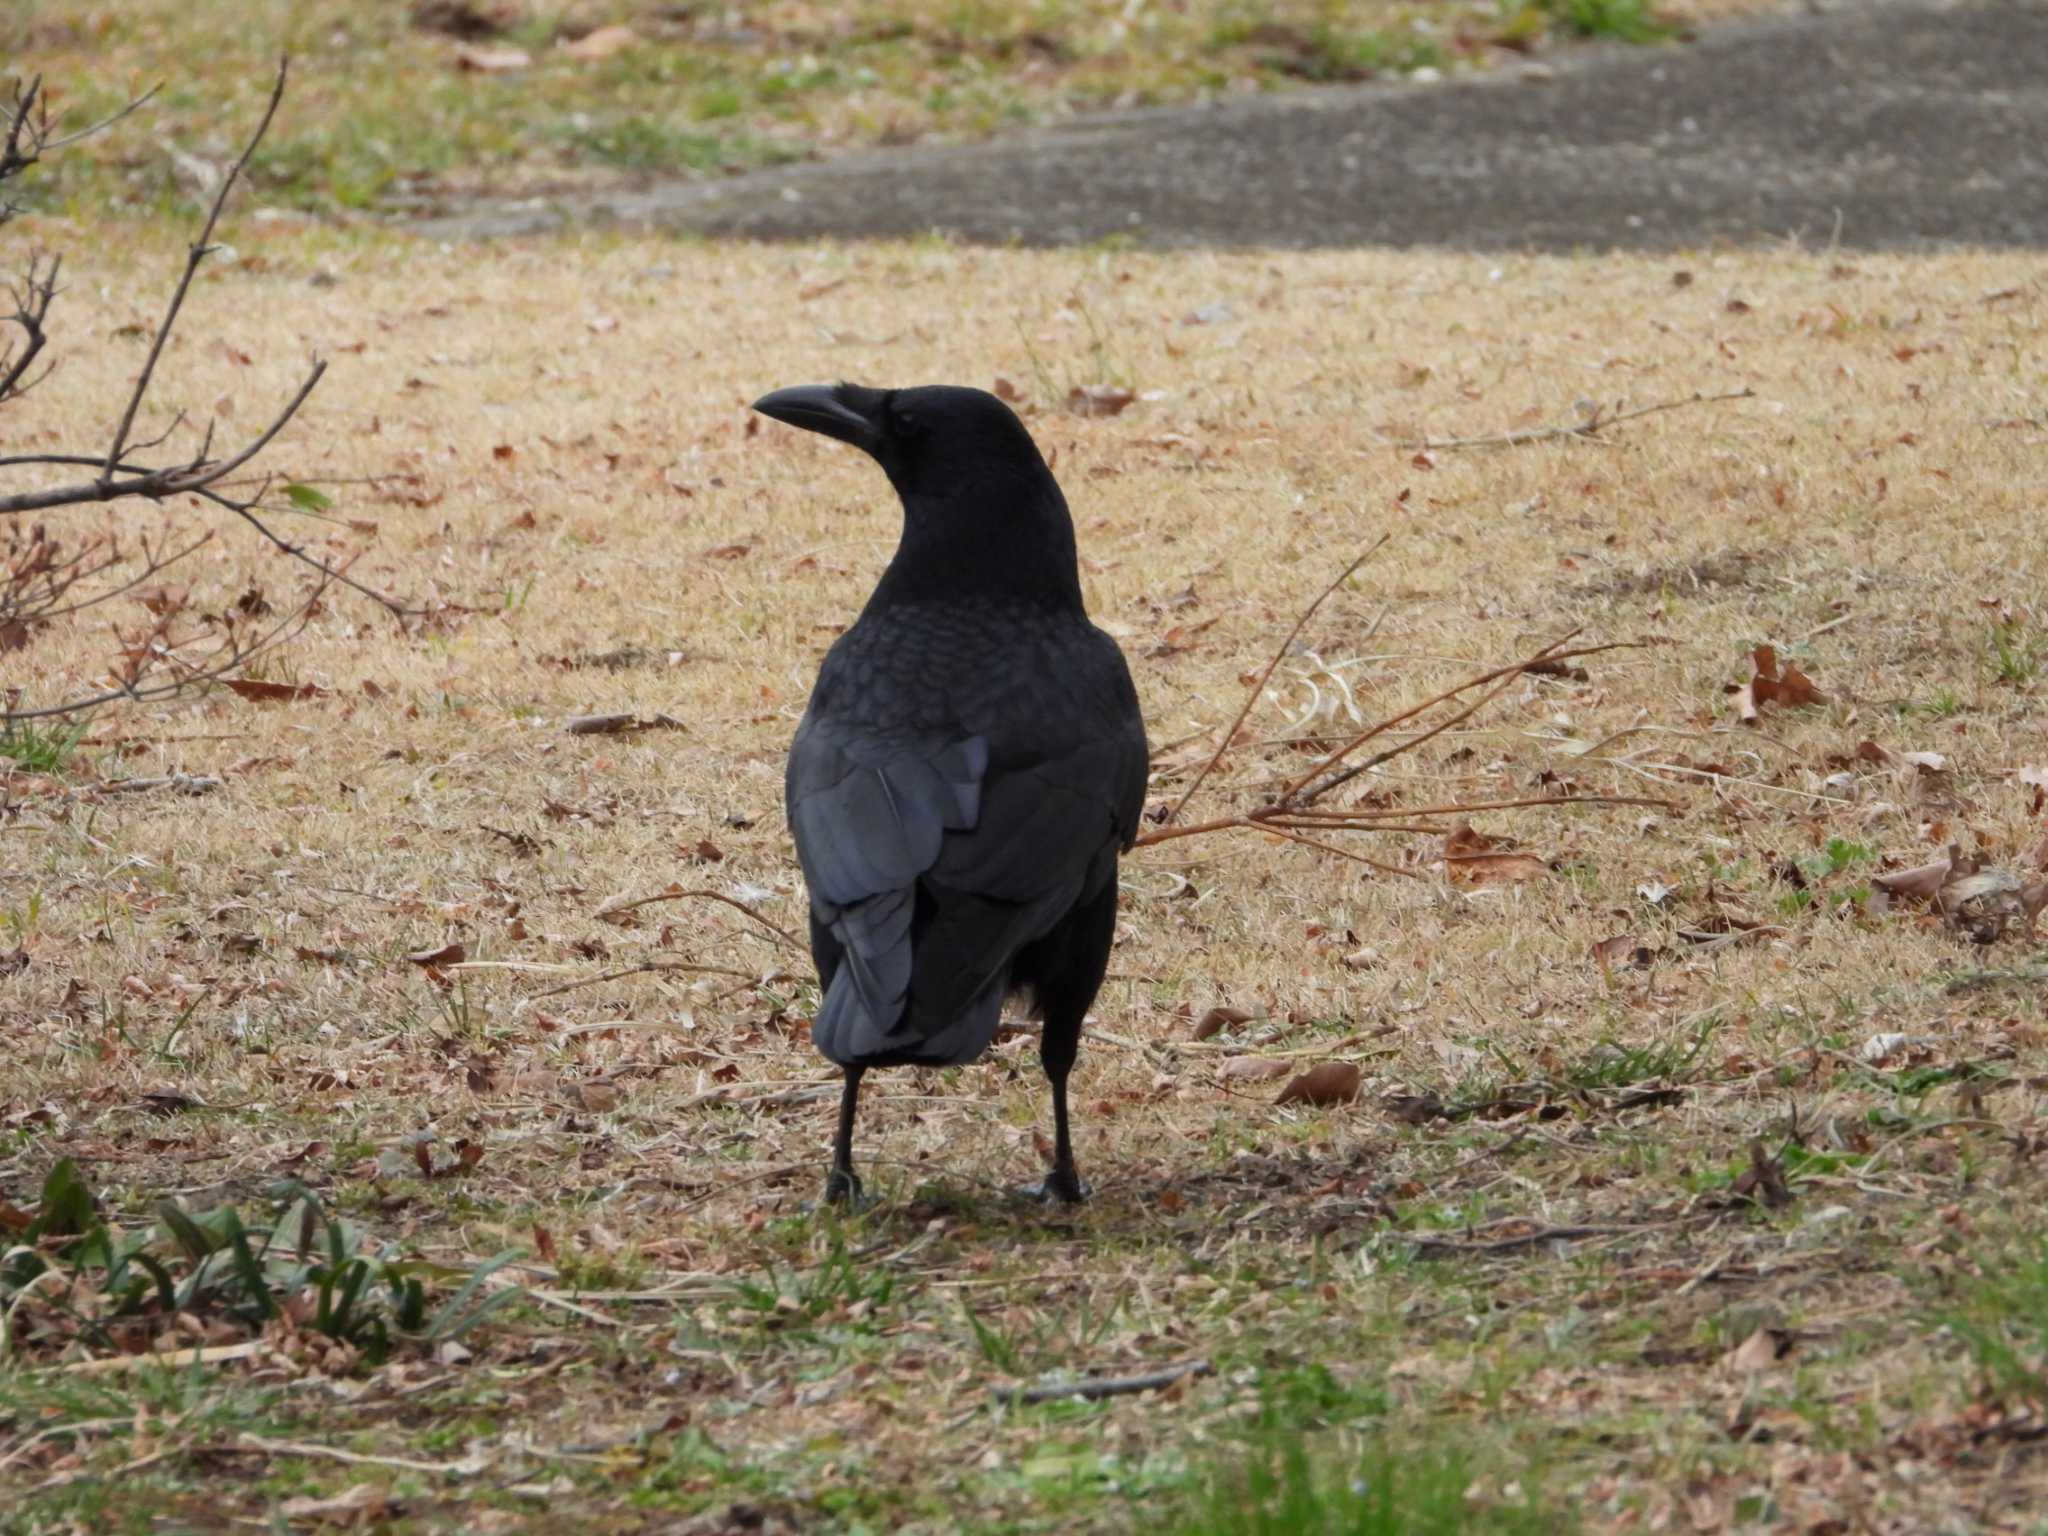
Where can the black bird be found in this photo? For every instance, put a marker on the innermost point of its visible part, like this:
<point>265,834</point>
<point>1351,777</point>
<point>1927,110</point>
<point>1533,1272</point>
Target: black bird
<point>970,766</point>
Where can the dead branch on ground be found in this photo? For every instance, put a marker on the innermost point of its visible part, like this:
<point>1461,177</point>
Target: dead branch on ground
<point>1294,812</point>
<point>1093,1388</point>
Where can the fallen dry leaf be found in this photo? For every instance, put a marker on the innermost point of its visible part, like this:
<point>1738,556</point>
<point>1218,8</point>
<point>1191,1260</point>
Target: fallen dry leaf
<point>1871,752</point>
<point>1920,883</point>
<point>1984,904</point>
<point>1472,857</point>
<point>597,1097</point>
<point>614,725</point>
<point>1216,1020</point>
<point>1745,703</point>
<point>2033,777</point>
<point>1879,1048</point>
<point>602,43</point>
<point>1790,688</point>
<point>1760,1351</point>
<point>1608,953</point>
<point>271,693</point>
<point>478,59</point>
<point>1098,399</point>
<point>447,954</point>
<point>2033,900</point>
<point>1763,1180</point>
<point>1329,1082</point>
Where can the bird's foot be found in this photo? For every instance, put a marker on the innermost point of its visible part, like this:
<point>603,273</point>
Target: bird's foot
<point>843,1192</point>
<point>1060,1185</point>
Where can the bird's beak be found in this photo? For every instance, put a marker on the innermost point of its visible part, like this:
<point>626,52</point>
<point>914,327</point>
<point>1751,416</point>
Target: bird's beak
<point>819,408</point>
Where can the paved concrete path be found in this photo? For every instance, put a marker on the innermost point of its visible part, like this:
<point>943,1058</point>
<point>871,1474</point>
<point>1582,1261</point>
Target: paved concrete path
<point>1907,124</point>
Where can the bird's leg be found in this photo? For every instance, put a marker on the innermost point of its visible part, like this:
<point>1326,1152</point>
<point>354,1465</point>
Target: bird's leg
<point>1057,1048</point>
<point>842,1187</point>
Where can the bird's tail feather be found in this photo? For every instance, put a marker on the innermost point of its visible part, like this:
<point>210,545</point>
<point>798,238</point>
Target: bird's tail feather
<point>846,1032</point>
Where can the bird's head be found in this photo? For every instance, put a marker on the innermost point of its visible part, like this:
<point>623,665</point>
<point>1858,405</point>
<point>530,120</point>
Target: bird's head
<point>982,513</point>
<point>937,441</point>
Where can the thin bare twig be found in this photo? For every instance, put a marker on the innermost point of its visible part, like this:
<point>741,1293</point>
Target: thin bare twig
<point>199,251</point>
<point>1365,812</point>
<point>108,121</point>
<point>172,480</point>
<point>1310,842</point>
<point>236,653</point>
<point>619,908</point>
<point>32,303</point>
<point>1429,1245</point>
<point>1590,427</point>
<point>1293,815</point>
<point>468,1467</point>
<point>210,491</point>
<point>644,967</point>
<point>1297,791</point>
<point>28,135</point>
<point>36,597</point>
<point>1102,1386</point>
<point>1252,694</point>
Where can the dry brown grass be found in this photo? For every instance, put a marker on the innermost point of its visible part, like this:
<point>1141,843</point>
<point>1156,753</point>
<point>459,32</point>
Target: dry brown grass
<point>593,487</point>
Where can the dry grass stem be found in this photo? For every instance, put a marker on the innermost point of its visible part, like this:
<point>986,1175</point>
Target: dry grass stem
<point>1589,427</point>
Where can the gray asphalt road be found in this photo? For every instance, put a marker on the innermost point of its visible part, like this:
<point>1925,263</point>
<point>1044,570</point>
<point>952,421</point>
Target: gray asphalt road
<point>1905,124</point>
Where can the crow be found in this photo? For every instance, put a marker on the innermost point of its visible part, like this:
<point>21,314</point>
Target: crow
<point>971,763</point>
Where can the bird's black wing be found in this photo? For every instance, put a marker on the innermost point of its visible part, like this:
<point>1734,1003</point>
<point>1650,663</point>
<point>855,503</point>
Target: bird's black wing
<point>936,848</point>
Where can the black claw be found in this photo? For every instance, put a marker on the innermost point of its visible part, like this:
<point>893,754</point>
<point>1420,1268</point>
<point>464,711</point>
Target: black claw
<point>1064,1187</point>
<point>842,1187</point>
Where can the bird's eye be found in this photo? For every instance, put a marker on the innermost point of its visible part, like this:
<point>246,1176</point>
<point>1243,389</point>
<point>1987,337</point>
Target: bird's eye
<point>907,425</point>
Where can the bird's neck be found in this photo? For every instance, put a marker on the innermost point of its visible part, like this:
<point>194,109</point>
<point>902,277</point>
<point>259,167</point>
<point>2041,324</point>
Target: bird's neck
<point>1023,552</point>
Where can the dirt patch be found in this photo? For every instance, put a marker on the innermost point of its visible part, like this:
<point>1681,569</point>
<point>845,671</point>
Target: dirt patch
<point>1730,569</point>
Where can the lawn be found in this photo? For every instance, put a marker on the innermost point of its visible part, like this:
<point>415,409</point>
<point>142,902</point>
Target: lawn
<point>1693,1178</point>
<point>403,108</point>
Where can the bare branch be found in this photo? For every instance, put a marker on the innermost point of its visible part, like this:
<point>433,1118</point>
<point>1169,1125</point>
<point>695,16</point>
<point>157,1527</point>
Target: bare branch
<point>106,122</point>
<point>208,491</point>
<point>157,484</point>
<point>1252,695</point>
<point>298,552</point>
<point>155,565</point>
<point>1294,793</point>
<point>233,653</point>
<point>199,251</point>
<point>31,307</point>
<point>27,131</point>
<point>37,578</point>
<point>1293,816</point>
